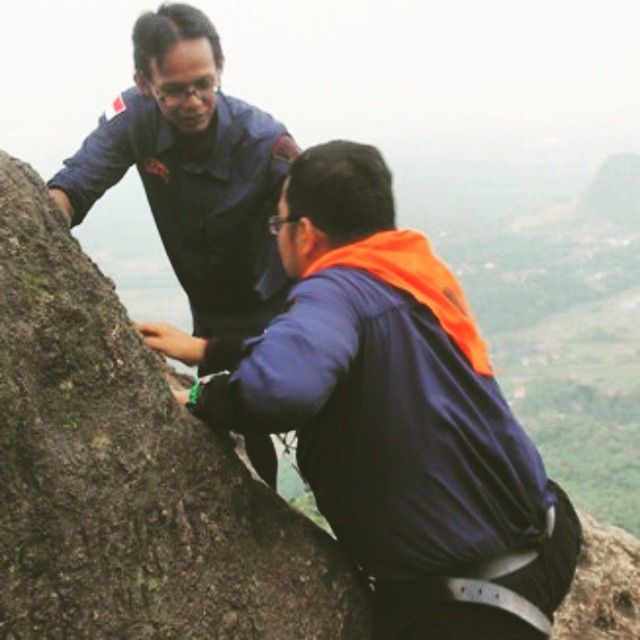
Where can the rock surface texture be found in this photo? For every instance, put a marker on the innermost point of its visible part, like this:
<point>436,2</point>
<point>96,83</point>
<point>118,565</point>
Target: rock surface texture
<point>120,515</point>
<point>123,517</point>
<point>604,602</point>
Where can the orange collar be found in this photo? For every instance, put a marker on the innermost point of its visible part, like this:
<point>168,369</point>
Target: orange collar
<point>405,260</point>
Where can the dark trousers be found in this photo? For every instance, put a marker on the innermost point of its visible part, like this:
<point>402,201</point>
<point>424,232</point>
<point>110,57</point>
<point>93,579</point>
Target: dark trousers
<point>403,611</point>
<point>259,446</point>
<point>262,454</point>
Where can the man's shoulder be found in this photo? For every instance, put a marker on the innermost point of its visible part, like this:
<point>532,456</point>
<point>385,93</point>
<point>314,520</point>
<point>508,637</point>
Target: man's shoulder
<point>130,116</point>
<point>253,123</point>
<point>351,286</point>
<point>129,107</point>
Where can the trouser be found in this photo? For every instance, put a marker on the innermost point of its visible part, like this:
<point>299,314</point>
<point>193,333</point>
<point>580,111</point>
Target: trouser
<point>262,455</point>
<point>407,610</point>
<point>259,446</point>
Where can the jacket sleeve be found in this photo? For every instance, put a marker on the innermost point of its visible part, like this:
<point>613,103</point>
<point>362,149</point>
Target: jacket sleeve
<point>101,161</point>
<point>290,371</point>
<point>283,152</point>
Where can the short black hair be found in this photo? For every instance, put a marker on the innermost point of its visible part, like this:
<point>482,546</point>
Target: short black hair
<point>344,188</point>
<point>155,33</point>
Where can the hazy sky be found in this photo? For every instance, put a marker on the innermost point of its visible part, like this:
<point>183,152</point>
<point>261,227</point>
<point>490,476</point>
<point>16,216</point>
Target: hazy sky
<point>420,79</point>
<point>373,70</point>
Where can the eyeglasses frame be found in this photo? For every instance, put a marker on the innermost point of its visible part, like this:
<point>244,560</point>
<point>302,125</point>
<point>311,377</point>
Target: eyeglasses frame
<point>276,223</point>
<point>186,92</point>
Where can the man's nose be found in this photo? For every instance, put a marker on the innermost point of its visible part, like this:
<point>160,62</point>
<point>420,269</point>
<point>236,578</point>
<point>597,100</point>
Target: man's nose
<point>193,96</point>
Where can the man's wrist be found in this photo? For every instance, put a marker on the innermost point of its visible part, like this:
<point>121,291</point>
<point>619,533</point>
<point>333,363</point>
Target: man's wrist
<point>215,402</point>
<point>199,349</point>
<point>195,392</point>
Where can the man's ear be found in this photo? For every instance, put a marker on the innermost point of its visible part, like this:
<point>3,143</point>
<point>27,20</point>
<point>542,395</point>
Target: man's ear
<point>143,84</point>
<point>313,241</point>
<point>219,70</point>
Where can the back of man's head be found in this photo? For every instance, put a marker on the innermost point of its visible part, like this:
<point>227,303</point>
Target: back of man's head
<point>155,33</point>
<point>344,188</point>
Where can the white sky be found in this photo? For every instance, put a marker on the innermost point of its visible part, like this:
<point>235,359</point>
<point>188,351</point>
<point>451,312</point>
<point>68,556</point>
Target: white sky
<point>415,77</point>
<point>371,70</point>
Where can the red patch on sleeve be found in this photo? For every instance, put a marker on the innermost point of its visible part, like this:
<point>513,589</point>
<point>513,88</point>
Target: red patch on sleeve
<point>119,105</point>
<point>115,108</point>
<point>285,149</point>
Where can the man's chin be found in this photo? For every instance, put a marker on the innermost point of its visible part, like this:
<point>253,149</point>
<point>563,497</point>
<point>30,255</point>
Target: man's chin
<point>193,126</point>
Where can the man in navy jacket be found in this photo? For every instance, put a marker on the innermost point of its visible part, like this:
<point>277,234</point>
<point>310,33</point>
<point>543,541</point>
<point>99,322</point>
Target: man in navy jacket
<point>413,455</point>
<point>212,167</point>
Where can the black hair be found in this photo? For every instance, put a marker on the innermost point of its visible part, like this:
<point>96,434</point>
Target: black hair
<point>155,33</point>
<point>344,188</point>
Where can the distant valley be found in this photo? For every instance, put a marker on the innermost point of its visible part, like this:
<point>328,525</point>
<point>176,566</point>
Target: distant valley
<point>557,293</point>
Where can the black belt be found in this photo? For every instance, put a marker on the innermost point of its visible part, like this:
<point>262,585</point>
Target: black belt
<point>475,587</point>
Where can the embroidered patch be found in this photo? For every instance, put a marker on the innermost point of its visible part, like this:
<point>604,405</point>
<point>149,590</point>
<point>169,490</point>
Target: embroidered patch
<point>154,167</point>
<point>285,149</point>
<point>115,108</point>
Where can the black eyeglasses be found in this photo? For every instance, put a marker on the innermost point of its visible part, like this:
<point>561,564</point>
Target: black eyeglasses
<point>173,95</point>
<point>276,223</point>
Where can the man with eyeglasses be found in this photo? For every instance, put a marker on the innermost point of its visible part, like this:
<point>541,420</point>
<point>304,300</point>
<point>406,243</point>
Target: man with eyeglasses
<point>211,166</point>
<point>418,464</point>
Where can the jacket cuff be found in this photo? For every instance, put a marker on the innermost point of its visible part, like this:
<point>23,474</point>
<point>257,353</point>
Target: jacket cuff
<point>80,208</point>
<point>221,354</point>
<point>221,406</point>
<point>216,406</point>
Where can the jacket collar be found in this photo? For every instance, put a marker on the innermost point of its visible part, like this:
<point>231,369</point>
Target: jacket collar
<point>405,260</point>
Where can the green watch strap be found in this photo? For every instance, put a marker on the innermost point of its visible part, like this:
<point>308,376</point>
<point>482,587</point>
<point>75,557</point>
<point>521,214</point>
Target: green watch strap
<point>194,393</point>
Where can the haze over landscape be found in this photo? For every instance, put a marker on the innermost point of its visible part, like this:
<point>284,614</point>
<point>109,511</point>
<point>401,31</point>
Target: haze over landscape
<point>512,132</point>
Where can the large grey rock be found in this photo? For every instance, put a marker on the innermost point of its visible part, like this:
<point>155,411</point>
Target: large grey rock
<point>604,602</point>
<point>120,515</point>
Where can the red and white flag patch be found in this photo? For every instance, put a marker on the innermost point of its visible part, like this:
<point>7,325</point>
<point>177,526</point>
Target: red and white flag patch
<point>115,108</point>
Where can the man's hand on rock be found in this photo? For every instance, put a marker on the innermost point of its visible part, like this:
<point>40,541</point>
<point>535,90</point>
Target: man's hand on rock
<point>181,396</point>
<point>172,342</point>
<point>63,203</point>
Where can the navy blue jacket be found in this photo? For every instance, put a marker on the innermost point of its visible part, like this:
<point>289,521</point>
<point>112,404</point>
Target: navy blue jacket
<point>211,212</point>
<point>415,460</point>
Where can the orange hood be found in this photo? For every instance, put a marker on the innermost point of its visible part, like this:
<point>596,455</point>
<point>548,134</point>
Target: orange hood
<point>405,260</point>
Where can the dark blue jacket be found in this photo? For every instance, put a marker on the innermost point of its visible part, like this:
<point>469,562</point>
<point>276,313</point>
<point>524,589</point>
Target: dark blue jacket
<point>415,460</point>
<point>211,212</point>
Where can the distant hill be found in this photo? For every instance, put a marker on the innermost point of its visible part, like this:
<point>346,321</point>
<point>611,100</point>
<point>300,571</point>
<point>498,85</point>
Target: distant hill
<point>614,194</point>
<point>556,293</point>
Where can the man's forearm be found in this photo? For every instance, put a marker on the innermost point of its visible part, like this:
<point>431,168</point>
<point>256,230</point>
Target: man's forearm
<point>220,404</point>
